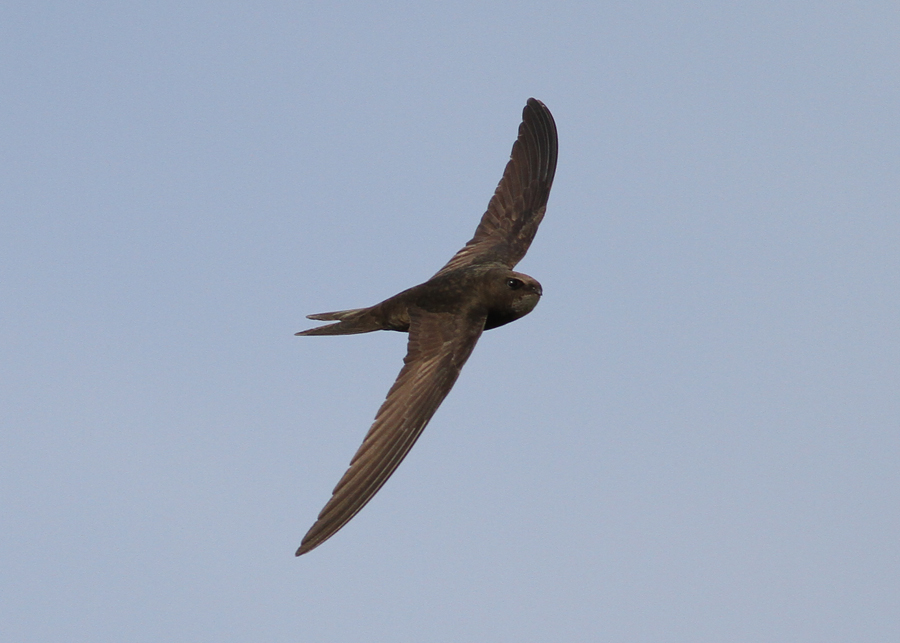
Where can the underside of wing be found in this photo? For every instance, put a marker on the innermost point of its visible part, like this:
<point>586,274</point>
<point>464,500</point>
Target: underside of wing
<point>439,345</point>
<point>517,207</point>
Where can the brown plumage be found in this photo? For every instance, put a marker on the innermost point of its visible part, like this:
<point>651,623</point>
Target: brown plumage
<point>477,290</point>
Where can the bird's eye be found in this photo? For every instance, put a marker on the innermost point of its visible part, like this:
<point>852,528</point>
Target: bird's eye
<point>514,284</point>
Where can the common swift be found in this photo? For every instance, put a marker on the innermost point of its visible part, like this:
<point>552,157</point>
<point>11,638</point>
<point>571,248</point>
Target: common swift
<point>477,290</point>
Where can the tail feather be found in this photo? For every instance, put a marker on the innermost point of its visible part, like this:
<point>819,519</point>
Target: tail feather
<point>337,315</point>
<point>349,322</point>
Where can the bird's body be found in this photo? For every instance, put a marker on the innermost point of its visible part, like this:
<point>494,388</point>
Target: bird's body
<point>480,290</point>
<point>476,290</point>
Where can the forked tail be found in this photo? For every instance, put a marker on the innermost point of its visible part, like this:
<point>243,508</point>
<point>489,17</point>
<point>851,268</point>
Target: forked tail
<point>349,322</point>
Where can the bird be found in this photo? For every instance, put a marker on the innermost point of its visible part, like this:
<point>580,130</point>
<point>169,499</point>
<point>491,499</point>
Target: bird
<point>476,290</point>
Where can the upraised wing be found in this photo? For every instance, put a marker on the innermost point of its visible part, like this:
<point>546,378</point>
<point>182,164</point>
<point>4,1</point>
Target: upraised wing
<point>517,207</point>
<point>439,345</point>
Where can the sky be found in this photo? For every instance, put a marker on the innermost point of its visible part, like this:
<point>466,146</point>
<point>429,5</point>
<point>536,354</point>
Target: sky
<point>694,437</point>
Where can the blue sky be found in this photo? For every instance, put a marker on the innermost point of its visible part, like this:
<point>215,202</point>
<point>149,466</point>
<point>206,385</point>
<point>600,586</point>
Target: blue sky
<point>694,437</point>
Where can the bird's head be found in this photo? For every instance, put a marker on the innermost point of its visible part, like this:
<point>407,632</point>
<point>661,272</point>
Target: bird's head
<point>510,295</point>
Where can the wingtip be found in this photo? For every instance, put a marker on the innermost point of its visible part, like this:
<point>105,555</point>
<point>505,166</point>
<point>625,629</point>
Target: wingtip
<point>307,546</point>
<point>534,103</point>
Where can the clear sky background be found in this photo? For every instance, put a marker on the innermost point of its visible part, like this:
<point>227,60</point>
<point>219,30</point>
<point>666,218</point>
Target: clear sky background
<point>694,437</point>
